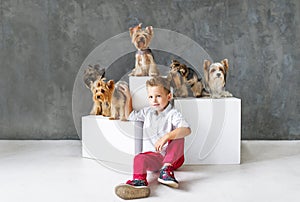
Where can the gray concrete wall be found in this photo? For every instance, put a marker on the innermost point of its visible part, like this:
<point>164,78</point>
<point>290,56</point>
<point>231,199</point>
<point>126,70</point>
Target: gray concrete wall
<point>44,43</point>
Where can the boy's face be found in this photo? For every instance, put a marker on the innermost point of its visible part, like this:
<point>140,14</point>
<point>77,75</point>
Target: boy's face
<point>158,98</point>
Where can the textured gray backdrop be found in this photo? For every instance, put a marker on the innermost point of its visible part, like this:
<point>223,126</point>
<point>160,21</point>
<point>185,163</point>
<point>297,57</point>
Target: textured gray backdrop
<point>44,43</point>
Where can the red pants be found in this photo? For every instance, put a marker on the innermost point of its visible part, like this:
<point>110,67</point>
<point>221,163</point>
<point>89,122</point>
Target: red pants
<point>153,161</point>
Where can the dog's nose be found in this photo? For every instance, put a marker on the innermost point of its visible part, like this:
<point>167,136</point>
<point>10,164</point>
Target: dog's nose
<point>218,74</point>
<point>98,97</point>
<point>142,39</point>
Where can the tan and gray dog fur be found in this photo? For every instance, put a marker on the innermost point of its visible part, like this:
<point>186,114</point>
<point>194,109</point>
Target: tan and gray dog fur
<point>144,61</point>
<point>118,103</point>
<point>102,97</point>
<point>184,80</point>
<point>102,92</point>
<point>215,78</point>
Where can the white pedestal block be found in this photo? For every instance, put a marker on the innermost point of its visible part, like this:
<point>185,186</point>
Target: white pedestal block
<point>138,90</point>
<point>216,130</point>
<point>215,137</point>
<point>215,124</point>
<point>110,140</point>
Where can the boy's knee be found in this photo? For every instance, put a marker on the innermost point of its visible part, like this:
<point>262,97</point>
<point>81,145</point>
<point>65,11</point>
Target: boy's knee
<point>139,157</point>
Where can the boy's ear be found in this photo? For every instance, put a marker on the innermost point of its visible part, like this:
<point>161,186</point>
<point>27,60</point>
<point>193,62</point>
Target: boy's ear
<point>170,96</point>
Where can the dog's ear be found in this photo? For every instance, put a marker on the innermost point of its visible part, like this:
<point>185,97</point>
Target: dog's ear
<point>206,65</point>
<point>149,30</point>
<point>98,84</point>
<point>86,76</point>
<point>225,64</point>
<point>174,64</point>
<point>88,82</point>
<point>89,85</point>
<point>111,84</point>
<point>132,30</point>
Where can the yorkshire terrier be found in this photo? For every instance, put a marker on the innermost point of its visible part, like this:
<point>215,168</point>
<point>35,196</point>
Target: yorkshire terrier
<point>215,78</point>
<point>93,73</point>
<point>184,80</point>
<point>102,97</point>
<point>144,61</point>
<point>176,80</point>
<point>102,92</point>
<point>118,102</point>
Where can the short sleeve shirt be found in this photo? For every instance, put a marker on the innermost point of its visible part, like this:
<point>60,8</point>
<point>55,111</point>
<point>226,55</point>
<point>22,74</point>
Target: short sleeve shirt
<point>157,125</point>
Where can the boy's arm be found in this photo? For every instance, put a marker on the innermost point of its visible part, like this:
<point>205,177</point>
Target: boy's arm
<point>128,108</point>
<point>178,133</point>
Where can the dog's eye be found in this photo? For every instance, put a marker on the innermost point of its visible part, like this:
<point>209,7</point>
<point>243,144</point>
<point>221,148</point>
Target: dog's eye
<point>213,70</point>
<point>96,91</point>
<point>222,70</point>
<point>102,91</point>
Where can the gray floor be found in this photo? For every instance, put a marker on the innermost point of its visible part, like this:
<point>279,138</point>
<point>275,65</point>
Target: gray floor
<point>54,171</point>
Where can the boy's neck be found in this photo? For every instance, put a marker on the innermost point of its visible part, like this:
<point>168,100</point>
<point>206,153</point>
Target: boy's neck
<point>157,112</point>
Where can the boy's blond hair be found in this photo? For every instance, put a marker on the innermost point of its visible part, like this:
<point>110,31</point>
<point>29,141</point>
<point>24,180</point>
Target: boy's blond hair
<point>159,81</point>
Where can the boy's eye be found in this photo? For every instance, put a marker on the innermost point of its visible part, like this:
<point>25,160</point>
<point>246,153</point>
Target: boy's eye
<point>150,96</point>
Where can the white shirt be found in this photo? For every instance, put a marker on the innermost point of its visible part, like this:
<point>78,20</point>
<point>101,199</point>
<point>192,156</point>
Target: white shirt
<point>157,125</point>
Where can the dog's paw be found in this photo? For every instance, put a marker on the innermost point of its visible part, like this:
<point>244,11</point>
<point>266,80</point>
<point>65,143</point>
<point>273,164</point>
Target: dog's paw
<point>197,95</point>
<point>226,94</point>
<point>123,119</point>
<point>215,96</point>
<point>153,74</point>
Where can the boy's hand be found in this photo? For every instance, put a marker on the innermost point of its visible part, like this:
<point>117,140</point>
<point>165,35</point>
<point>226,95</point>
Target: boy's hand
<point>124,89</point>
<point>161,142</point>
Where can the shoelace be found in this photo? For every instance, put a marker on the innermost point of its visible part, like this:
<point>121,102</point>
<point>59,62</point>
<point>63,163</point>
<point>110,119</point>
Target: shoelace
<point>169,171</point>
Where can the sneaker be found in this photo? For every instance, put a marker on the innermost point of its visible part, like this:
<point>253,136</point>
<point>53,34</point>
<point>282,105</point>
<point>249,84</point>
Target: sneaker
<point>167,177</point>
<point>133,189</point>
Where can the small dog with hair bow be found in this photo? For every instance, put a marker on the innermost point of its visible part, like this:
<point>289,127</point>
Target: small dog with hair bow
<point>215,78</point>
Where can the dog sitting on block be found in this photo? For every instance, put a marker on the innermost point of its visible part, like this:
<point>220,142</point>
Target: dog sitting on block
<point>215,78</point>
<point>176,80</point>
<point>144,61</point>
<point>118,102</point>
<point>184,80</point>
<point>102,97</point>
<point>102,92</point>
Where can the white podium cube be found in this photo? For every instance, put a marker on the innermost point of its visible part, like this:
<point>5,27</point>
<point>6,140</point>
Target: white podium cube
<point>110,140</point>
<point>138,90</point>
<point>215,124</point>
<point>216,130</point>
